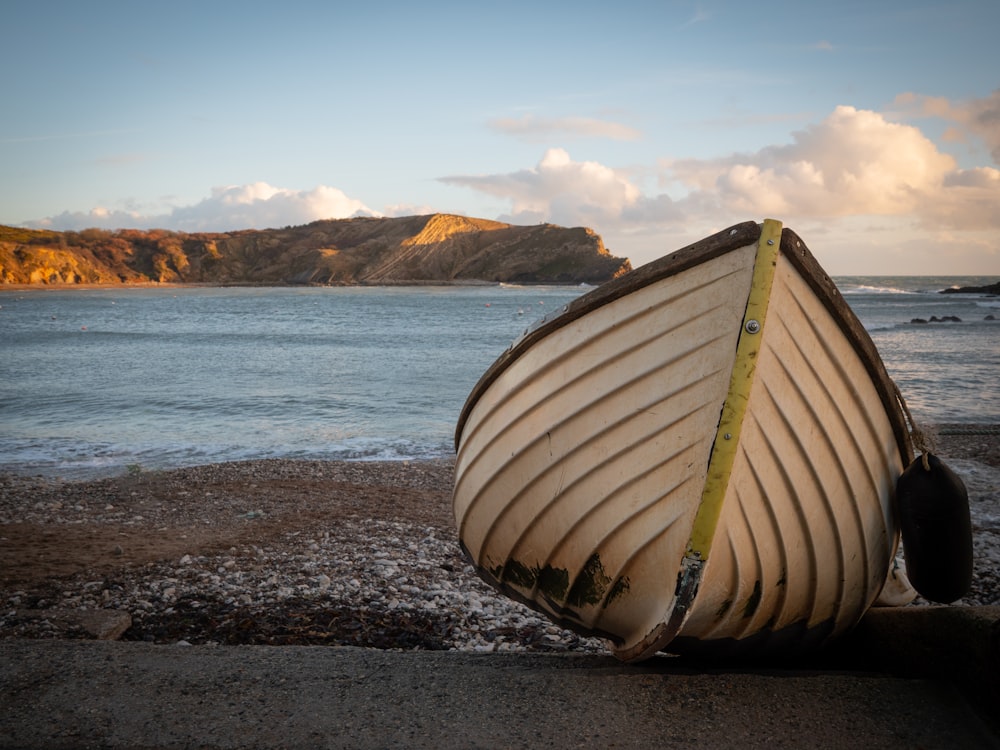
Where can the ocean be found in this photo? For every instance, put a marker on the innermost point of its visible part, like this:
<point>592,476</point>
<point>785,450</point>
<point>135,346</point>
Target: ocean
<point>97,382</point>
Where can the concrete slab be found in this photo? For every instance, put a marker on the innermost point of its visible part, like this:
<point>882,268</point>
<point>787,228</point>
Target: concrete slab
<point>77,694</point>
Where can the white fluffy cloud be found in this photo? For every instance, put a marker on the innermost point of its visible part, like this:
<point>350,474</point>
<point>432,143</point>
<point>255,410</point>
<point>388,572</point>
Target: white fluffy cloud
<point>559,190</point>
<point>856,170</point>
<point>255,206</point>
<point>260,205</point>
<point>853,163</point>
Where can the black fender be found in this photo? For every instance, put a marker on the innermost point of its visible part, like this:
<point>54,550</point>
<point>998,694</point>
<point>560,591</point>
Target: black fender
<point>936,529</point>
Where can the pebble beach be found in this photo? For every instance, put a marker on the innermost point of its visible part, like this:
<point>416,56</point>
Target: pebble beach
<point>280,552</point>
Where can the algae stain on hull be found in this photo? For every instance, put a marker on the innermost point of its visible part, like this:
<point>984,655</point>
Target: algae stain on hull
<point>753,602</point>
<point>553,582</point>
<point>592,585</point>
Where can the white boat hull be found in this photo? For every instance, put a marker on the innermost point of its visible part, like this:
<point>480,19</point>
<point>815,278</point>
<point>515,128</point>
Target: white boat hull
<point>597,482</point>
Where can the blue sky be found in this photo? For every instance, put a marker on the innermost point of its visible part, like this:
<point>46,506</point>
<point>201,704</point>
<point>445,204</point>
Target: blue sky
<point>871,128</point>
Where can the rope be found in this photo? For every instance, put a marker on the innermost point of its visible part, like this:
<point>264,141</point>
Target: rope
<point>921,440</point>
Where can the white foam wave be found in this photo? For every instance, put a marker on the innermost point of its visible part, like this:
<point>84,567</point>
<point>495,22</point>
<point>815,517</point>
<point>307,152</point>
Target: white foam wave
<point>869,289</point>
<point>75,460</point>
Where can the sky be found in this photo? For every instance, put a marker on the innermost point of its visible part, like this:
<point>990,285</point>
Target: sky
<point>870,128</point>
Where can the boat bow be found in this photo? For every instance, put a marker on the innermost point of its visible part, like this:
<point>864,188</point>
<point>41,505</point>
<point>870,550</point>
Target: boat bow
<point>669,458</point>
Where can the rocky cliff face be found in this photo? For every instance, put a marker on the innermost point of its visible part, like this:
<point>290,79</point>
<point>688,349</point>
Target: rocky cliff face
<point>413,249</point>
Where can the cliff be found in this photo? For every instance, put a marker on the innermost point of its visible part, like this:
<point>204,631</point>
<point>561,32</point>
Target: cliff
<point>414,249</point>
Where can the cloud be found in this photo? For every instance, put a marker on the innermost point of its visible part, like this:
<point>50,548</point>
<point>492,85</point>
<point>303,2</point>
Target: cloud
<point>974,118</point>
<point>260,205</point>
<point>533,128</point>
<point>254,206</point>
<point>558,190</point>
<point>855,168</point>
<point>853,163</point>
<point>408,209</point>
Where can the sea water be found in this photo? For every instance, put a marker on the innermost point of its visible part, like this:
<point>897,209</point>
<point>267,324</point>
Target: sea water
<point>946,371</point>
<point>96,382</point>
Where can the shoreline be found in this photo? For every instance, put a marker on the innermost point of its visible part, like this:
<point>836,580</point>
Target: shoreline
<point>276,285</point>
<point>977,441</point>
<point>291,552</point>
<point>964,291</point>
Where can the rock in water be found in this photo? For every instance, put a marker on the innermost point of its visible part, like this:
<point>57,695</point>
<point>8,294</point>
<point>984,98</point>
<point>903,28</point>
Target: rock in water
<point>936,529</point>
<point>988,289</point>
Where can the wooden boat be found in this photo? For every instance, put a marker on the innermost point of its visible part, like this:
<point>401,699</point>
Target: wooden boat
<point>699,456</point>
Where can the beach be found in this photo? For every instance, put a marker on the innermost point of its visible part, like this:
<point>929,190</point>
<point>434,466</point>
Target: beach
<point>197,573</point>
<point>256,552</point>
<point>282,552</point>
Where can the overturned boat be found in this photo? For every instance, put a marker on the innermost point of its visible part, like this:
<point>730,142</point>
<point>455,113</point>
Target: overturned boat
<point>699,456</point>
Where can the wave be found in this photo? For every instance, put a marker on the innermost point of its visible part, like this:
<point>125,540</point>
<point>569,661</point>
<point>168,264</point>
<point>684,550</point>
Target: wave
<point>80,460</point>
<point>871,289</point>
